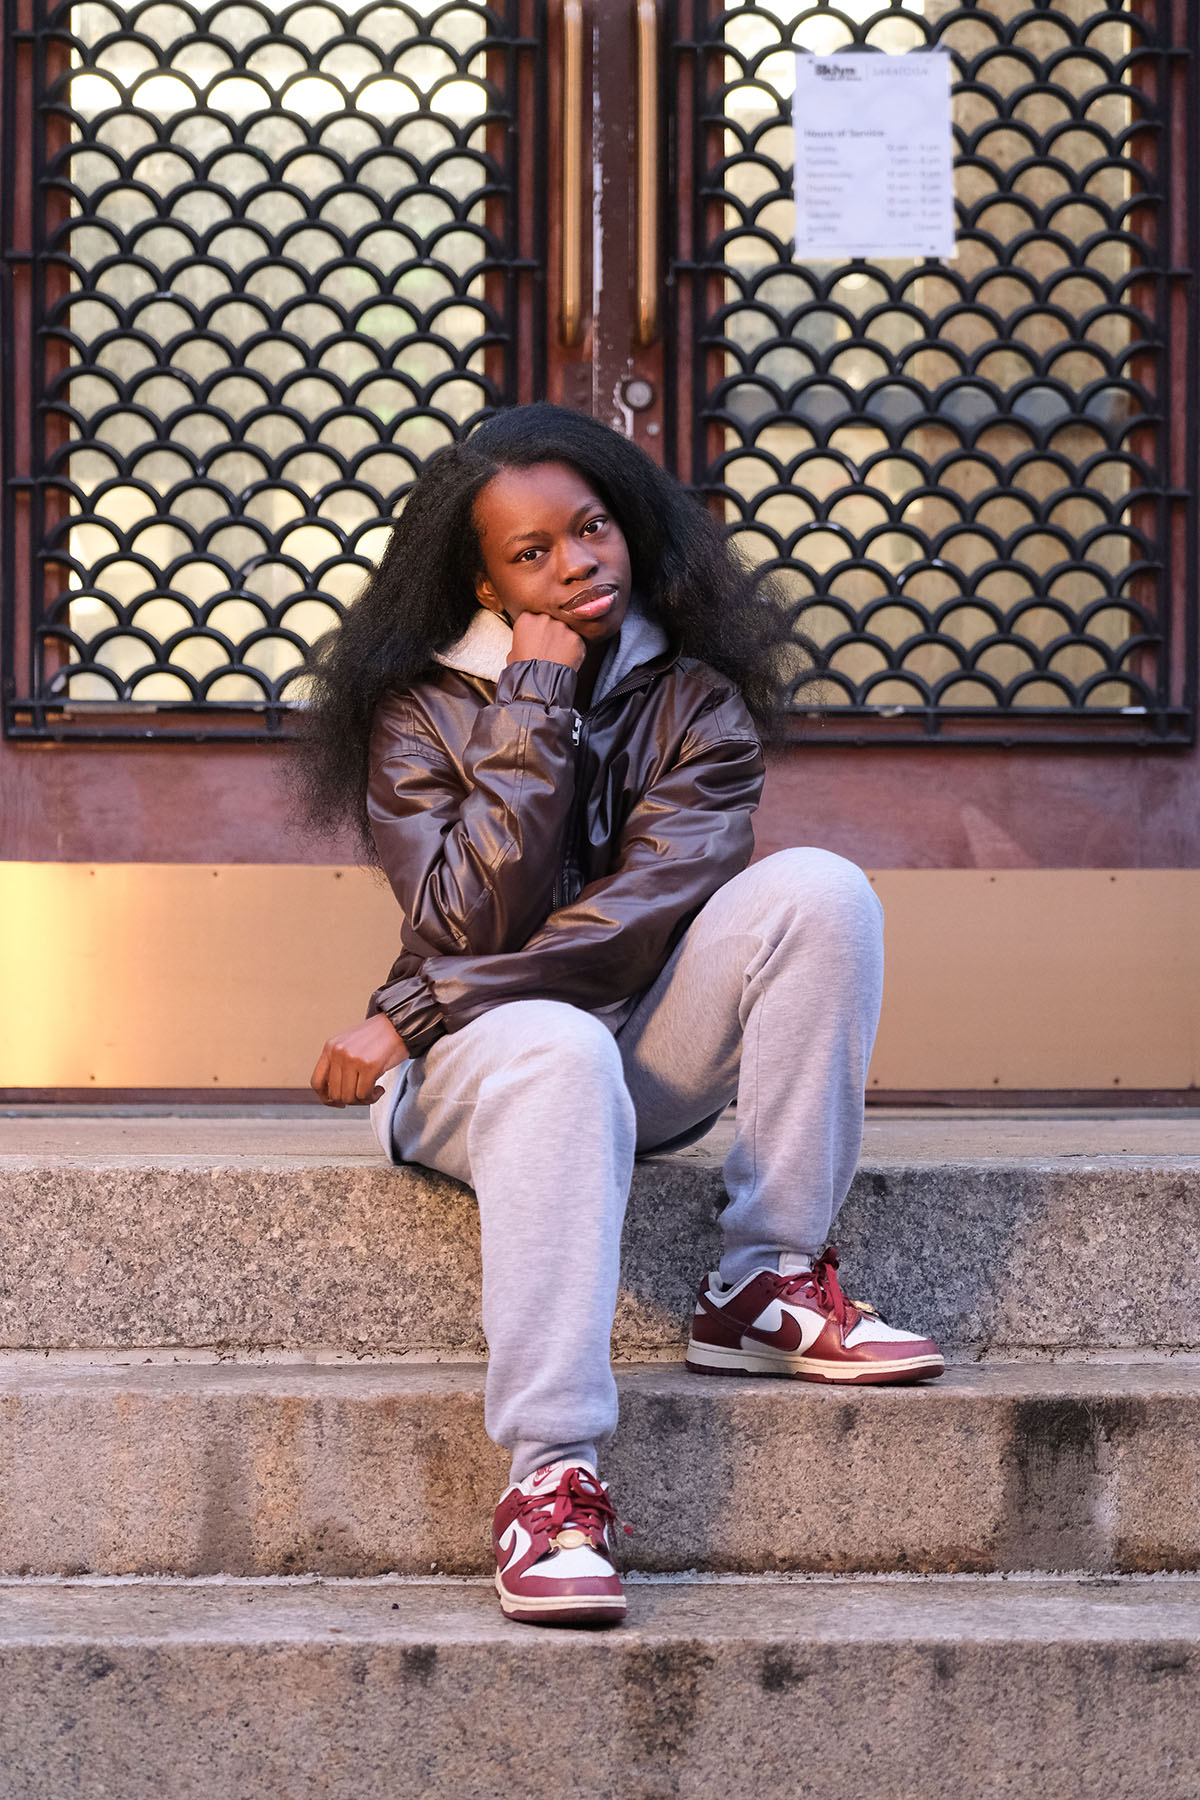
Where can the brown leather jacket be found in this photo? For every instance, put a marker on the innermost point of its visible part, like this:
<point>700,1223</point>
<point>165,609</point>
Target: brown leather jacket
<point>540,854</point>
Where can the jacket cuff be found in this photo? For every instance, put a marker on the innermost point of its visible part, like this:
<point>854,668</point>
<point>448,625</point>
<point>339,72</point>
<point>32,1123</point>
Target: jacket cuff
<point>413,1011</point>
<point>548,684</point>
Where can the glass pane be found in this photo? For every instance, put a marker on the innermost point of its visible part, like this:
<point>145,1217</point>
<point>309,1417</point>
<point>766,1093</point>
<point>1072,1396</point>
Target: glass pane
<point>956,468</point>
<point>279,272</point>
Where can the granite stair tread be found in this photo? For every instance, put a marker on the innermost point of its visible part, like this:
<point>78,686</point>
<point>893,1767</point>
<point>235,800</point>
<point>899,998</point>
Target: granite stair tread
<point>800,1608</point>
<point>891,1134</point>
<point>997,1237</point>
<point>353,1469</point>
<point>905,1690</point>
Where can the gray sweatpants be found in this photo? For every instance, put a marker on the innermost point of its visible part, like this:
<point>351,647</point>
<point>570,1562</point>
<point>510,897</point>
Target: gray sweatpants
<point>772,997</point>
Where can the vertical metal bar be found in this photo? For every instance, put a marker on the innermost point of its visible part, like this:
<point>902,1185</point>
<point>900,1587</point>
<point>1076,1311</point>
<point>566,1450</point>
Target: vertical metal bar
<point>510,138</point>
<point>507,321</point>
<point>21,385</point>
<point>1186,22</point>
<point>8,571</point>
<point>8,96</point>
<point>570,192</point>
<point>541,157</point>
<point>676,154</point>
<point>53,222</point>
<point>647,172</point>
<point>710,290</point>
<point>699,253</point>
<point>1164,242</point>
<point>37,519</point>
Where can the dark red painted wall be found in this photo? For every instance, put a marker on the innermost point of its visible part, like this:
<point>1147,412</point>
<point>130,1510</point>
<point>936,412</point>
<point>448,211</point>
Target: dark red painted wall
<point>887,809</point>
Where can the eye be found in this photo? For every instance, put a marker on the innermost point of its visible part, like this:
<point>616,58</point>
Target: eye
<point>592,526</point>
<point>528,555</point>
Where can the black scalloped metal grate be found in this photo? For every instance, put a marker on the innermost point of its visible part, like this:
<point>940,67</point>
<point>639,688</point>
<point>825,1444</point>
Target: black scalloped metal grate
<point>276,262</point>
<point>963,471</point>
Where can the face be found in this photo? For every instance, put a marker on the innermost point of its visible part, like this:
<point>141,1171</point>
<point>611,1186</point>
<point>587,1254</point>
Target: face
<point>550,545</point>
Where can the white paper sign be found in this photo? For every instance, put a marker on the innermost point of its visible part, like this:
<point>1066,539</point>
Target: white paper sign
<point>874,155</point>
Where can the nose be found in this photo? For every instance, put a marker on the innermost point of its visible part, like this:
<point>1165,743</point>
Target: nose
<point>577,561</point>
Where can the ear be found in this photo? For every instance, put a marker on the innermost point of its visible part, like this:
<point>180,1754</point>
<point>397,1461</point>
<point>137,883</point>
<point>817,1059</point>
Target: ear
<point>485,593</point>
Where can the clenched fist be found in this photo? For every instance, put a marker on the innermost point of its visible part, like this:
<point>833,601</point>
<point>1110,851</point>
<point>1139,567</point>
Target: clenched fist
<point>539,638</point>
<point>349,1067</point>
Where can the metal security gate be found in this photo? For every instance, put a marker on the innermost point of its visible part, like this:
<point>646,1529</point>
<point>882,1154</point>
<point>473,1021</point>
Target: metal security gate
<point>260,264</point>
<point>976,479</point>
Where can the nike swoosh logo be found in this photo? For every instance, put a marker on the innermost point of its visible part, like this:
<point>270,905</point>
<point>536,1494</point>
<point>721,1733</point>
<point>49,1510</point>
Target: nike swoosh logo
<point>788,1336</point>
<point>521,1541</point>
<point>779,1327</point>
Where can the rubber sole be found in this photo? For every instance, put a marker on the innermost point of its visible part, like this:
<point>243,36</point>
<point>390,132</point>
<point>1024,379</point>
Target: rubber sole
<point>706,1359</point>
<point>596,1609</point>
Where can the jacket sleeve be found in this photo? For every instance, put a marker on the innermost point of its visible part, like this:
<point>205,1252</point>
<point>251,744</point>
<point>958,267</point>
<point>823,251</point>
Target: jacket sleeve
<point>685,836</point>
<point>472,863</point>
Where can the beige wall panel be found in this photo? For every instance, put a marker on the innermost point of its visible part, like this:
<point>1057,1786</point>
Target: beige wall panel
<point>178,975</point>
<point>1040,978</point>
<point>153,975</point>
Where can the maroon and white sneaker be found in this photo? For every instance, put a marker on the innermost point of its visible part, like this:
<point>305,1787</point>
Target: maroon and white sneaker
<point>552,1535</point>
<point>802,1325</point>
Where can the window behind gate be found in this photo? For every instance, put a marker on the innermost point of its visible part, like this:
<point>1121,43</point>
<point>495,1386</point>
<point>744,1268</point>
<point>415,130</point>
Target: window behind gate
<point>975,478</point>
<point>262,262</point>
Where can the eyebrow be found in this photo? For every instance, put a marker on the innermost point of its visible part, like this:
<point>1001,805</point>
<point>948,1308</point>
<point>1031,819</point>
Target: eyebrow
<point>531,537</point>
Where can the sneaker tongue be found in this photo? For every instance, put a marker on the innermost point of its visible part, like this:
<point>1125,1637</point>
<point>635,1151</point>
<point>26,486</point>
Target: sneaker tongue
<point>792,1263</point>
<point>550,1475</point>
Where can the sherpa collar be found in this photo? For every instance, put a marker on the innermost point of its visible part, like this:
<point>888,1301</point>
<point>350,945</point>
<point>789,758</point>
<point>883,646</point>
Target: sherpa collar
<point>484,647</point>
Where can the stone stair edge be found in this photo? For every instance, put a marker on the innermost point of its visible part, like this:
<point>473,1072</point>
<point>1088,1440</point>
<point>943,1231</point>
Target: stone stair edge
<point>375,1168</point>
<point>933,1136</point>
<point>921,1691</point>
<point>99,1357</point>
<point>970,1379</point>
<point>1134,1607</point>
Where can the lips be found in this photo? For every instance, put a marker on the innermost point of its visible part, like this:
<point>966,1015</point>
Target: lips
<point>593,601</point>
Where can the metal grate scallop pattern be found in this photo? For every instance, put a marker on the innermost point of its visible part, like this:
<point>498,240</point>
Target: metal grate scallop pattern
<point>961,471</point>
<point>277,267</point>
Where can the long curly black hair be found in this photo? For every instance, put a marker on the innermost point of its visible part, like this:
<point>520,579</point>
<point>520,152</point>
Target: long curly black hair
<point>421,597</point>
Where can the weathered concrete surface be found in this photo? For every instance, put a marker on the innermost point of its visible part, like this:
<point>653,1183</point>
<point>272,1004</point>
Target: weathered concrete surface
<point>266,1246</point>
<point>356,1471</point>
<point>893,1691</point>
<point>891,1134</point>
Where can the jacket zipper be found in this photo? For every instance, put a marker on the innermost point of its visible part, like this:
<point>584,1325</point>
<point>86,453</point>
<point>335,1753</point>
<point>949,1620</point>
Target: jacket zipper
<point>569,882</point>
<point>562,885</point>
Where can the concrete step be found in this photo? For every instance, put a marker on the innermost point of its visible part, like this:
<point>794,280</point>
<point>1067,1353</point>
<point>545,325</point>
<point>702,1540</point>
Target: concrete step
<point>1001,1237</point>
<point>274,1470</point>
<point>901,1690</point>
